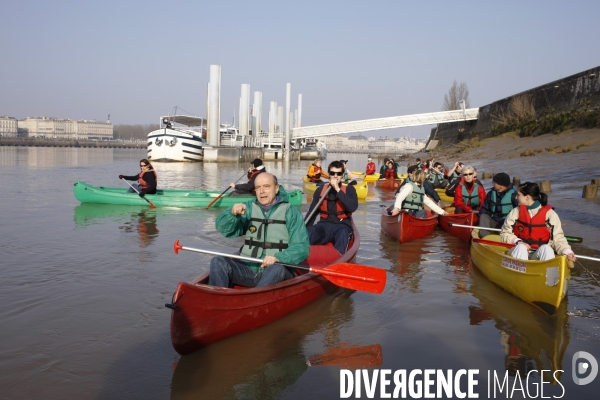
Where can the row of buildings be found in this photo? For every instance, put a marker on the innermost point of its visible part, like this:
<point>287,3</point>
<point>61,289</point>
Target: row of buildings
<point>363,144</point>
<point>55,128</point>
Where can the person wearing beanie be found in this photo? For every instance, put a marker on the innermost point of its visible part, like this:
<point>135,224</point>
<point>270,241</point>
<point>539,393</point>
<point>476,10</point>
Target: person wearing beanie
<point>497,204</point>
<point>371,167</point>
<point>245,189</point>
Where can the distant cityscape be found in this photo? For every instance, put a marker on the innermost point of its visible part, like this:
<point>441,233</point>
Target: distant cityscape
<point>55,128</point>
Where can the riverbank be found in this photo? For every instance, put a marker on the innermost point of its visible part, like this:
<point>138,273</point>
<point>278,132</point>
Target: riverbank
<point>43,142</point>
<point>509,146</point>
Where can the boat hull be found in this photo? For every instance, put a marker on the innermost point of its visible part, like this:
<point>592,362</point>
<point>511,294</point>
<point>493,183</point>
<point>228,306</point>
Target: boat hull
<point>389,184</point>
<point>86,193</point>
<point>471,219</point>
<point>169,145</point>
<point>405,228</point>
<point>543,284</point>
<point>443,196</point>
<point>206,314</point>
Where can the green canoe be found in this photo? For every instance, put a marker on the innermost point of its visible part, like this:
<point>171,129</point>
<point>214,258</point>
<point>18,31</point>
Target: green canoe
<point>164,197</point>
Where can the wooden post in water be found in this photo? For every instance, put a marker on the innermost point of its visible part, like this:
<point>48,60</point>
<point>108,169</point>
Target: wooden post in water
<point>486,175</point>
<point>545,186</point>
<point>590,191</point>
<point>516,181</point>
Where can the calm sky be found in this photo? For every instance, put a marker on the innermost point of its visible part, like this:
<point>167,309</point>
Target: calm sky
<point>350,60</point>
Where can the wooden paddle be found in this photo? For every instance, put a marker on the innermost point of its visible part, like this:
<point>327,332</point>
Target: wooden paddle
<point>349,276</point>
<point>509,245</point>
<point>572,239</point>
<point>143,197</point>
<point>224,191</point>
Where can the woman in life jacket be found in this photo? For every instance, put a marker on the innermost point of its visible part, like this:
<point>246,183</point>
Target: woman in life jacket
<point>534,227</point>
<point>470,194</point>
<point>389,172</point>
<point>411,197</point>
<point>315,172</point>
<point>147,179</point>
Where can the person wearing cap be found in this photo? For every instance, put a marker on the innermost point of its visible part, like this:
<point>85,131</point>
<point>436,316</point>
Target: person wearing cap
<point>371,167</point>
<point>335,224</point>
<point>411,196</point>
<point>436,176</point>
<point>245,189</point>
<point>315,172</point>
<point>470,193</point>
<point>498,202</point>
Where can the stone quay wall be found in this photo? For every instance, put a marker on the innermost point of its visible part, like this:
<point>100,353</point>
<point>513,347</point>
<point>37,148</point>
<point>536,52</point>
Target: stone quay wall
<point>40,142</point>
<point>573,93</point>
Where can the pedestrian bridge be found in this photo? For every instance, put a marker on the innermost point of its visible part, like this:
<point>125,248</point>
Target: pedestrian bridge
<point>384,123</point>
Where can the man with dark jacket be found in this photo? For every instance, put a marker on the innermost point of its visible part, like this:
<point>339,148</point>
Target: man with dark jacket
<point>497,204</point>
<point>245,189</point>
<point>335,211</point>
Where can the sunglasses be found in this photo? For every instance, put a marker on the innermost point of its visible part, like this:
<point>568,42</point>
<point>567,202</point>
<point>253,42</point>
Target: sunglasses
<point>143,165</point>
<point>334,173</point>
<point>469,174</point>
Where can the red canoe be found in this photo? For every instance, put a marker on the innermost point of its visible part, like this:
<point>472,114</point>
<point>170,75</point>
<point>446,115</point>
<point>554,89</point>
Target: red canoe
<point>205,314</point>
<point>471,219</point>
<point>391,184</point>
<point>404,227</point>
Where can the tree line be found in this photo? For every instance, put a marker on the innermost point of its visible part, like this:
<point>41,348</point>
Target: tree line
<point>127,132</point>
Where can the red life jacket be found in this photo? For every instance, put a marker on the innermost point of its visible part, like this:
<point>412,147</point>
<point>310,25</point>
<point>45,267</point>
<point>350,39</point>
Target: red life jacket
<point>142,182</point>
<point>371,167</point>
<point>533,231</point>
<point>252,175</point>
<point>340,211</point>
<point>389,174</point>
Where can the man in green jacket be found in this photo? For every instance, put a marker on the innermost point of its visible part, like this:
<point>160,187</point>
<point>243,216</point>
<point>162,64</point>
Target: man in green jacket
<point>275,232</point>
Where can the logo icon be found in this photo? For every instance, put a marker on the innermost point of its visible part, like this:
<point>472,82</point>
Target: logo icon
<point>252,229</point>
<point>580,367</point>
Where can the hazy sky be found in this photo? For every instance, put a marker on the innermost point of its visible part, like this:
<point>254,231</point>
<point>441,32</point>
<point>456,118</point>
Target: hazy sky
<point>350,60</point>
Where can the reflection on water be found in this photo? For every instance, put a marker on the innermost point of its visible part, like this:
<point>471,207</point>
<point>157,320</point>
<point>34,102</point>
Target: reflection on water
<point>145,225</point>
<point>530,339</point>
<point>262,363</point>
<point>349,357</point>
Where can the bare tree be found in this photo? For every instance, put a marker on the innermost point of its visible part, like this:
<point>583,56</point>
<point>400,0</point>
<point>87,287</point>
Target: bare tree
<point>455,94</point>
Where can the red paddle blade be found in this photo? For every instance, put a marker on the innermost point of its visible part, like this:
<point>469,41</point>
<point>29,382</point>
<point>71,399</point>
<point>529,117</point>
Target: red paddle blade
<point>354,276</point>
<point>493,243</point>
<point>350,357</point>
<point>151,204</point>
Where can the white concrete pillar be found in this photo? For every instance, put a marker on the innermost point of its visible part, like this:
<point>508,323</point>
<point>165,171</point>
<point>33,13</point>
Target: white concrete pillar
<point>214,106</point>
<point>295,118</point>
<point>273,117</point>
<point>257,114</point>
<point>299,120</point>
<point>244,116</point>
<point>286,137</point>
<point>279,119</point>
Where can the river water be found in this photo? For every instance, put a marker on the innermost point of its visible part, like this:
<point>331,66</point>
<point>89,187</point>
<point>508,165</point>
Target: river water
<point>84,287</point>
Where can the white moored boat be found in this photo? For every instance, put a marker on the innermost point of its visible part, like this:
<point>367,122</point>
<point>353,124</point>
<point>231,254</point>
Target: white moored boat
<point>178,139</point>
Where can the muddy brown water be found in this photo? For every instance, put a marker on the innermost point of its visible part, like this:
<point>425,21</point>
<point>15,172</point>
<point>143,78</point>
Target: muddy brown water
<point>84,287</point>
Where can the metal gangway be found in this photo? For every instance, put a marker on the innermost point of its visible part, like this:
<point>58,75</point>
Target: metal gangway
<point>385,123</point>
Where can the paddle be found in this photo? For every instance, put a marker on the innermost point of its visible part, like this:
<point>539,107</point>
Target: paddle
<point>309,216</point>
<point>349,276</point>
<point>224,191</point>
<point>508,245</point>
<point>572,239</point>
<point>143,197</point>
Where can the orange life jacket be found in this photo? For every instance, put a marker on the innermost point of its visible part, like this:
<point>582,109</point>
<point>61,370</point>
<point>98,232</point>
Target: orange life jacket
<point>143,184</point>
<point>340,210</point>
<point>533,231</point>
<point>314,173</point>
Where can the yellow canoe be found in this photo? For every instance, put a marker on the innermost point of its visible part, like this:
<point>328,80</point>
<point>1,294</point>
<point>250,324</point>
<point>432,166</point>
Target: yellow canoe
<point>375,176</point>
<point>443,196</point>
<point>361,188</point>
<point>542,284</point>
